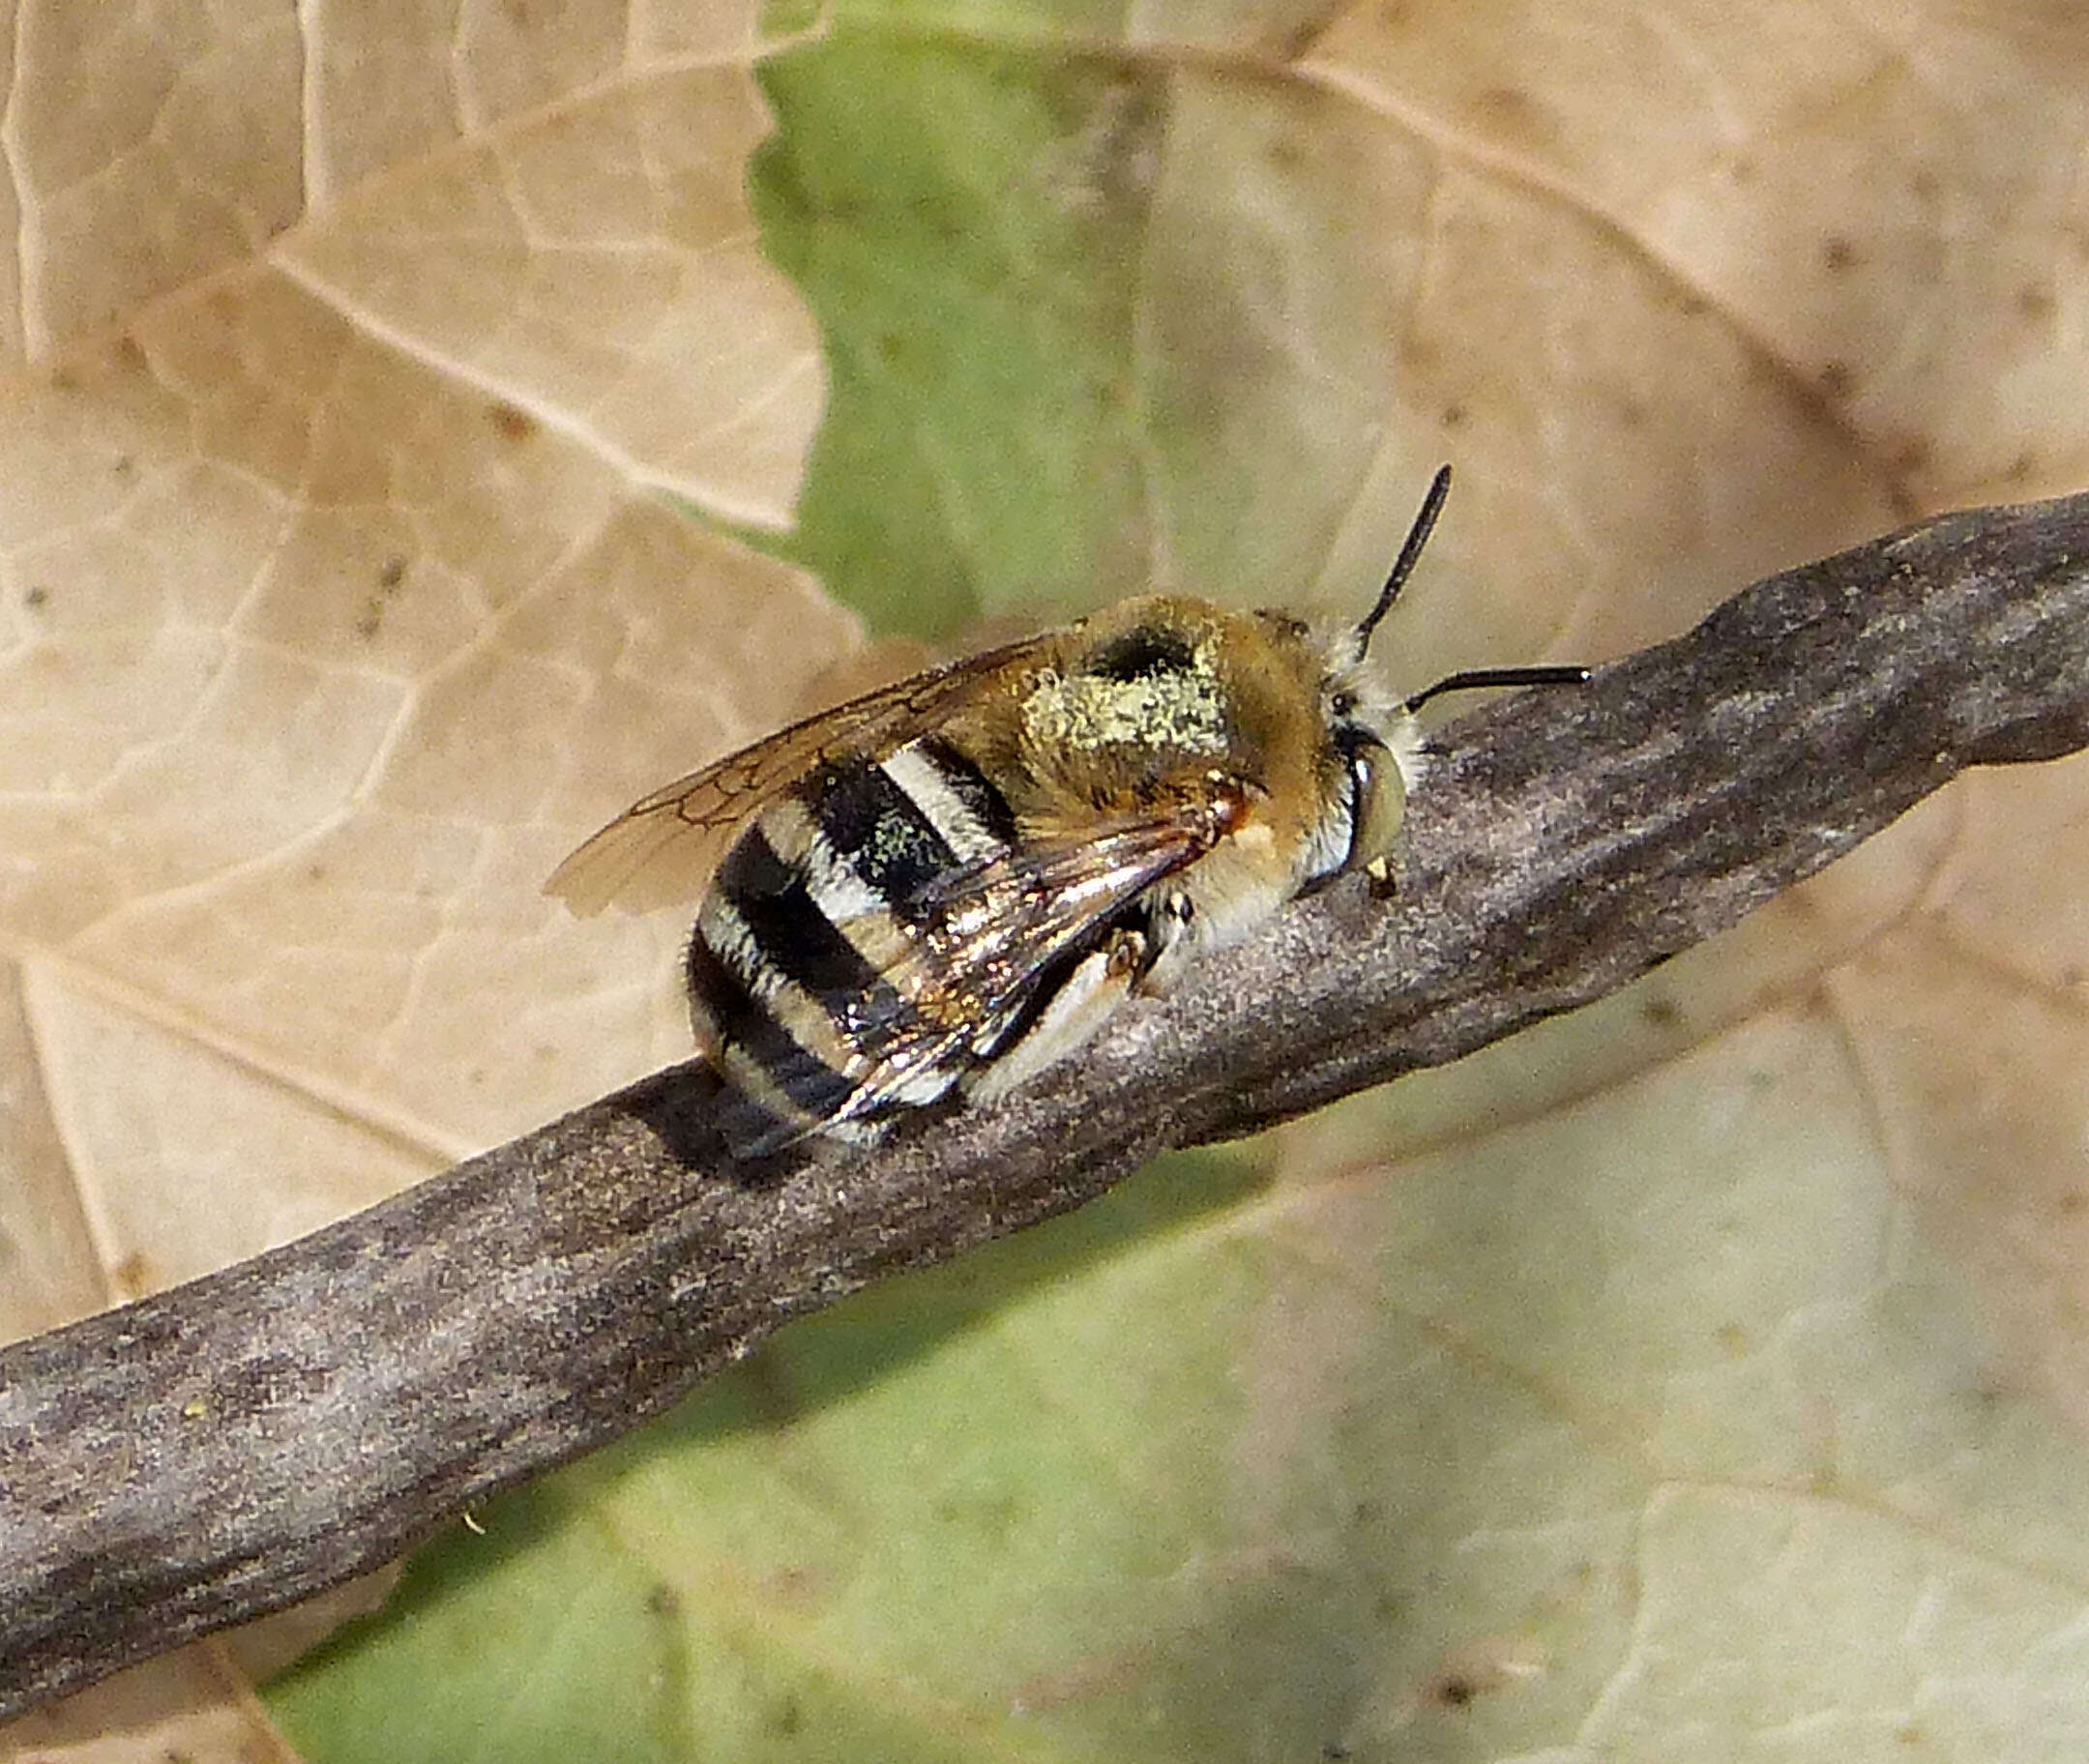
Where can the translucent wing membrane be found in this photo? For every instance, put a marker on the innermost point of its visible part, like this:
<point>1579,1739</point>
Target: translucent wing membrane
<point>1006,930</point>
<point>662,850</point>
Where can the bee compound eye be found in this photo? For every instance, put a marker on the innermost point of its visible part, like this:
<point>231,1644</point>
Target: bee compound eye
<point>1377,804</point>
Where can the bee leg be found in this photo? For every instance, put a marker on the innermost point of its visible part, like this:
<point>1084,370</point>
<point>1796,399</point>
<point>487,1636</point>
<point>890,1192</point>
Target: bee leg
<point>1099,983</point>
<point>1171,928</point>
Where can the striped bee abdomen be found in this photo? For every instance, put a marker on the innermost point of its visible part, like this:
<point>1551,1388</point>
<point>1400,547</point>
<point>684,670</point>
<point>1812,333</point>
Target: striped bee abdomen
<point>818,905</point>
<point>903,823</point>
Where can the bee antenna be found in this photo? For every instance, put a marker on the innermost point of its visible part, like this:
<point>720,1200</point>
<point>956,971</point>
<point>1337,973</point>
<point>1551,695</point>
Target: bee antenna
<point>1479,678</point>
<point>1410,553</point>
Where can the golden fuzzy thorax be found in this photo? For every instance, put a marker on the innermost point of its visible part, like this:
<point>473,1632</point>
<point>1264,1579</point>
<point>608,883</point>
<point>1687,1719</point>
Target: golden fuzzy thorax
<point>1158,699</point>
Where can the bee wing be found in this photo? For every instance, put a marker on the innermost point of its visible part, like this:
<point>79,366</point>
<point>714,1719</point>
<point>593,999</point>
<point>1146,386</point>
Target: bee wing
<point>1002,922</point>
<point>663,849</point>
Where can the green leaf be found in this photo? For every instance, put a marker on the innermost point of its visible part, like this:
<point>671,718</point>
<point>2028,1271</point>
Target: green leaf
<point>966,224</point>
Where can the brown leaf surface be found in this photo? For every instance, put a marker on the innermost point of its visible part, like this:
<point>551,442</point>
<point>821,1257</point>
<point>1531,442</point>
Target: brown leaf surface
<point>1880,198</point>
<point>193,1704</point>
<point>338,598</point>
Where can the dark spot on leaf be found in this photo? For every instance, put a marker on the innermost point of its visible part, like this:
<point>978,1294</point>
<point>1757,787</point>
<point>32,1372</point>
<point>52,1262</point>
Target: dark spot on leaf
<point>1454,1691</point>
<point>37,597</point>
<point>1837,379</point>
<point>1301,38</point>
<point>390,574</point>
<point>1515,115</point>
<point>1837,255</point>
<point>1286,153</point>
<point>134,1274</point>
<point>511,422</point>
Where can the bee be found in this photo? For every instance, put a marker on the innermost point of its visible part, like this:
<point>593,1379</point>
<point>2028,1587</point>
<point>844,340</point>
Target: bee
<point>945,885</point>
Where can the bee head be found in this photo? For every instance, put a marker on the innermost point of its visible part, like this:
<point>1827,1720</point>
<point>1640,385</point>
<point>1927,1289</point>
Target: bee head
<point>1381,744</point>
<point>1377,747</point>
<point>1376,742</point>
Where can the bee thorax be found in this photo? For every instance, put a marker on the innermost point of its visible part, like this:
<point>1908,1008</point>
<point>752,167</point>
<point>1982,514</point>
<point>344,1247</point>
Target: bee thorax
<point>1179,710</point>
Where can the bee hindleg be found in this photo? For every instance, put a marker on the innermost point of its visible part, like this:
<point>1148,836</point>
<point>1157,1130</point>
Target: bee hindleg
<point>1099,983</point>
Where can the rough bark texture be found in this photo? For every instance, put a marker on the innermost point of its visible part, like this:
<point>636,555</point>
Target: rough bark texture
<point>228,1447</point>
